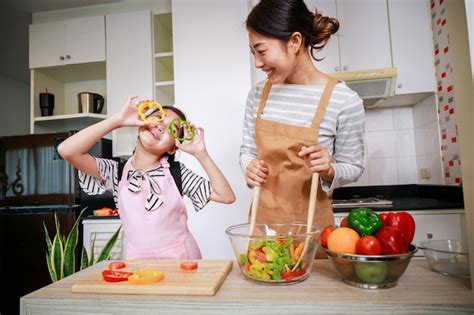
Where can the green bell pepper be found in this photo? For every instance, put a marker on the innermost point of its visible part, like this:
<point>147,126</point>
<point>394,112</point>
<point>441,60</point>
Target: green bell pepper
<point>364,221</point>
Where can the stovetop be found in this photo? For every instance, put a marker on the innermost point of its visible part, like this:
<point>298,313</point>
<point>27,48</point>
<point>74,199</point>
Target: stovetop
<point>362,202</point>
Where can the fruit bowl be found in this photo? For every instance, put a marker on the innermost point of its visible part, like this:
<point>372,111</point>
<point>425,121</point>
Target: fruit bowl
<point>447,257</point>
<point>270,254</point>
<point>371,272</point>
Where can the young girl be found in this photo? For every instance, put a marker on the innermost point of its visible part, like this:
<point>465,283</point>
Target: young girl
<point>300,121</point>
<point>151,207</point>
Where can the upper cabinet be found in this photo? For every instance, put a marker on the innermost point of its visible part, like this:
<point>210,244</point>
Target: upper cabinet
<point>129,69</point>
<point>363,39</point>
<point>71,41</point>
<point>412,46</point>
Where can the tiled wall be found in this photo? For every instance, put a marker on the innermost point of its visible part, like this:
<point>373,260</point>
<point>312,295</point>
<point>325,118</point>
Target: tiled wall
<point>398,142</point>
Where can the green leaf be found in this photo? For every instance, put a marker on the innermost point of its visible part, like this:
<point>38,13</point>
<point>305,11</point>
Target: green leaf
<point>91,259</point>
<point>105,253</point>
<point>57,256</point>
<point>52,272</point>
<point>70,247</point>
<point>48,240</point>
<point>84,259</point>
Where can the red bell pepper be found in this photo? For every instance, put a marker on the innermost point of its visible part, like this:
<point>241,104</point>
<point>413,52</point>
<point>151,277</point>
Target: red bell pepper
<point>115,276</point>
<point>392,241</point>
<point>404,222</point>
<point>383,218</point>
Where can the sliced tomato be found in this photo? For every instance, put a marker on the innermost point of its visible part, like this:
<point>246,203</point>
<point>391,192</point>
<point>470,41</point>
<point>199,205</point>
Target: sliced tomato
<point>290,275</point>
<point>117,265</point>
<point>146,276</point>
<point>189,265</point>
<point>115,276</point>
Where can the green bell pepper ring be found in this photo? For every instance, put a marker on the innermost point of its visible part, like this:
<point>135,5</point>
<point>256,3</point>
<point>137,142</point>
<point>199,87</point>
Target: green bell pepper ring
<point>364,221</point>
<point>189,131</point>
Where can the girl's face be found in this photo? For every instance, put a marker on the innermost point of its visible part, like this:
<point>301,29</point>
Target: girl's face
<point>273,56</point>
<point>157,138</point>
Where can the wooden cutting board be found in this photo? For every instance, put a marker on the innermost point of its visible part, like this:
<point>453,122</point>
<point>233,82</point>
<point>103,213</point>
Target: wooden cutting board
<point>206,280</point>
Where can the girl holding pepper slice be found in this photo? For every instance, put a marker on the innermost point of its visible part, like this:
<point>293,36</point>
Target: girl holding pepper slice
<point>299,121</point>
<point>151,203</point>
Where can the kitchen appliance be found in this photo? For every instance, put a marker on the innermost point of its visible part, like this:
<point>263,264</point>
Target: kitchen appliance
<point>35,185</point>
<point>90,102</point>
<point>206,280</point>
<point>362,202</point>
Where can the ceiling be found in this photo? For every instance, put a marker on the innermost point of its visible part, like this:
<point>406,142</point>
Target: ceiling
<point>33,6</point>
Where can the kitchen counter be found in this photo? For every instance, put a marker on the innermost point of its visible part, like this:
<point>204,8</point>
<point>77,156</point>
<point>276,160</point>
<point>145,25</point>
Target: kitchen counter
<point>419,291</point>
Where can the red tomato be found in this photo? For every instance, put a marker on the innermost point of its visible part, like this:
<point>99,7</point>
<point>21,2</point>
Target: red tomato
<point>368,245</point>
<point>117,265</point>
<point>260,256</point>
<point>290,275</point>
<point>115,276</point>
<point>189,265</point>
<point>325,234</point>
<point>392,241</point>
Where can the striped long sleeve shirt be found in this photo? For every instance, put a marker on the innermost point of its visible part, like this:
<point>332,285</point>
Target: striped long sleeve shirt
<point>341,131</point>
<point>196,187</point>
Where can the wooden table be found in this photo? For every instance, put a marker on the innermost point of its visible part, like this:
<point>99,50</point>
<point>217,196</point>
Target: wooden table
<point>419,291</point>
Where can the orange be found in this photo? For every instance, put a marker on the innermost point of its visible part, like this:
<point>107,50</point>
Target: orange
<point>343,240</point>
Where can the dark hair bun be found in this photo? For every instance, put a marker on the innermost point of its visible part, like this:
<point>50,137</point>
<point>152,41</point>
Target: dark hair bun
<point>323,28</point>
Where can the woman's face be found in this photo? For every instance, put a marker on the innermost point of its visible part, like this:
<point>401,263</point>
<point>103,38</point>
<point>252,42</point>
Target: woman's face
<point>271,56</point>
<point>157,138</point>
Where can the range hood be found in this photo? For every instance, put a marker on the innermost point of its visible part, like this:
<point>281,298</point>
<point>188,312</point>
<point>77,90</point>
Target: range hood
<point>373,86</point>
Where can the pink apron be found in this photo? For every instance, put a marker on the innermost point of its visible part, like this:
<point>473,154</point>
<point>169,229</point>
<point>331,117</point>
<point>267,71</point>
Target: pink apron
<point>160,233</point>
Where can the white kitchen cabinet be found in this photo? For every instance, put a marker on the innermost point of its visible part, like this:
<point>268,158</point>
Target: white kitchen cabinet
<point>100,231</point>
<point>129,69</point>
<point>164,61</point>
<point>412,45</point>
<point>71,41</point>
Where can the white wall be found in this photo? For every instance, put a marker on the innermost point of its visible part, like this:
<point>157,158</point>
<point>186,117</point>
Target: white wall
<point>399,141</point>
<point>15,107</point>
<point>212,80</point>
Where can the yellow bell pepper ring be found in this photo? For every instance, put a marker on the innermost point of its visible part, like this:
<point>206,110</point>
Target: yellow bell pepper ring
<point>189,132</point>
<point>146,276</point>
<point>145,109</point>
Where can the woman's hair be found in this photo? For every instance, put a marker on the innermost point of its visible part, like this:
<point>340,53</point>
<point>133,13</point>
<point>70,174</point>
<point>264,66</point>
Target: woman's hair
<point>181,115</point>
<point>281,18</point>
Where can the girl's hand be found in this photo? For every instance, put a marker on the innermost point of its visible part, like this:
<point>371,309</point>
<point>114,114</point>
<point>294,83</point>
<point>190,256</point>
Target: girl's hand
<point>195,146</point>
<point>128,116</point>
<point>257,172</point>
<point>319,161</point>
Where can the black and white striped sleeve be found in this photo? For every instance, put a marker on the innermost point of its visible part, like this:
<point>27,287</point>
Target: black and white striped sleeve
<point>108,173</point>
<point>196,187</point>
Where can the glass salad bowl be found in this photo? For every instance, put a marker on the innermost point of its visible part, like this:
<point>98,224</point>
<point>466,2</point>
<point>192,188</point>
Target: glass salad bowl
<point>275,253</point>
<point>447,257</point>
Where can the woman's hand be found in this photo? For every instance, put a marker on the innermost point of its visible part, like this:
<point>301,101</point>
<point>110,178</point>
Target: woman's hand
<point>128,116</point>
<point>319,161</point>
<point>196,146</point>
<point>257,172</point>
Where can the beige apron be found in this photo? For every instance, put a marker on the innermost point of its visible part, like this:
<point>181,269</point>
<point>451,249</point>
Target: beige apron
<point>284,197</point>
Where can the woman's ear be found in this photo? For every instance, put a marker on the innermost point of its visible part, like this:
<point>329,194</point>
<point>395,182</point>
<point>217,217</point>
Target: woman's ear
<point>295,42</point>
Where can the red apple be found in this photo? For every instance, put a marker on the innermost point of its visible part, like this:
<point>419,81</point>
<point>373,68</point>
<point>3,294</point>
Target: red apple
<point>325,234</point>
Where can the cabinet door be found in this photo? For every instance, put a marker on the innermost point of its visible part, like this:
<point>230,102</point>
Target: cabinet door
<point>129,69</point>
<point>412,45</point>
<point>364,38</point>
<point>101,231</point>
<point>438,227</point>
<point>47,44</point>
<point>85,40</point>
<point>330,52</point>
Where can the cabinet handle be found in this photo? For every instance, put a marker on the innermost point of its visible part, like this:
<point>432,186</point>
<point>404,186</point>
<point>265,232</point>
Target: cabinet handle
<point>61,57</point>
<point>345,68</point>
<point>336,69</point>
<point>68,57</point>
<point>399,85</point>
<point>429,236</point>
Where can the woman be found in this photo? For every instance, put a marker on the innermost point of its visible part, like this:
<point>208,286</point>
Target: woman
<point>299,121</point>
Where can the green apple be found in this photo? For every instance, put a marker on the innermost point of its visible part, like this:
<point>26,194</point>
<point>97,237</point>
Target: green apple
<point>371,272</point>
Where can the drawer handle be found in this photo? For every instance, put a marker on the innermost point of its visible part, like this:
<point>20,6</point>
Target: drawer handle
<point>429,236</point>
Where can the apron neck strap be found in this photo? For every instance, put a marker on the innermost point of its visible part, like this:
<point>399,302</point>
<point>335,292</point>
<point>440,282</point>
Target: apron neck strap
<point>263,99</point>
<point>323,103</point>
